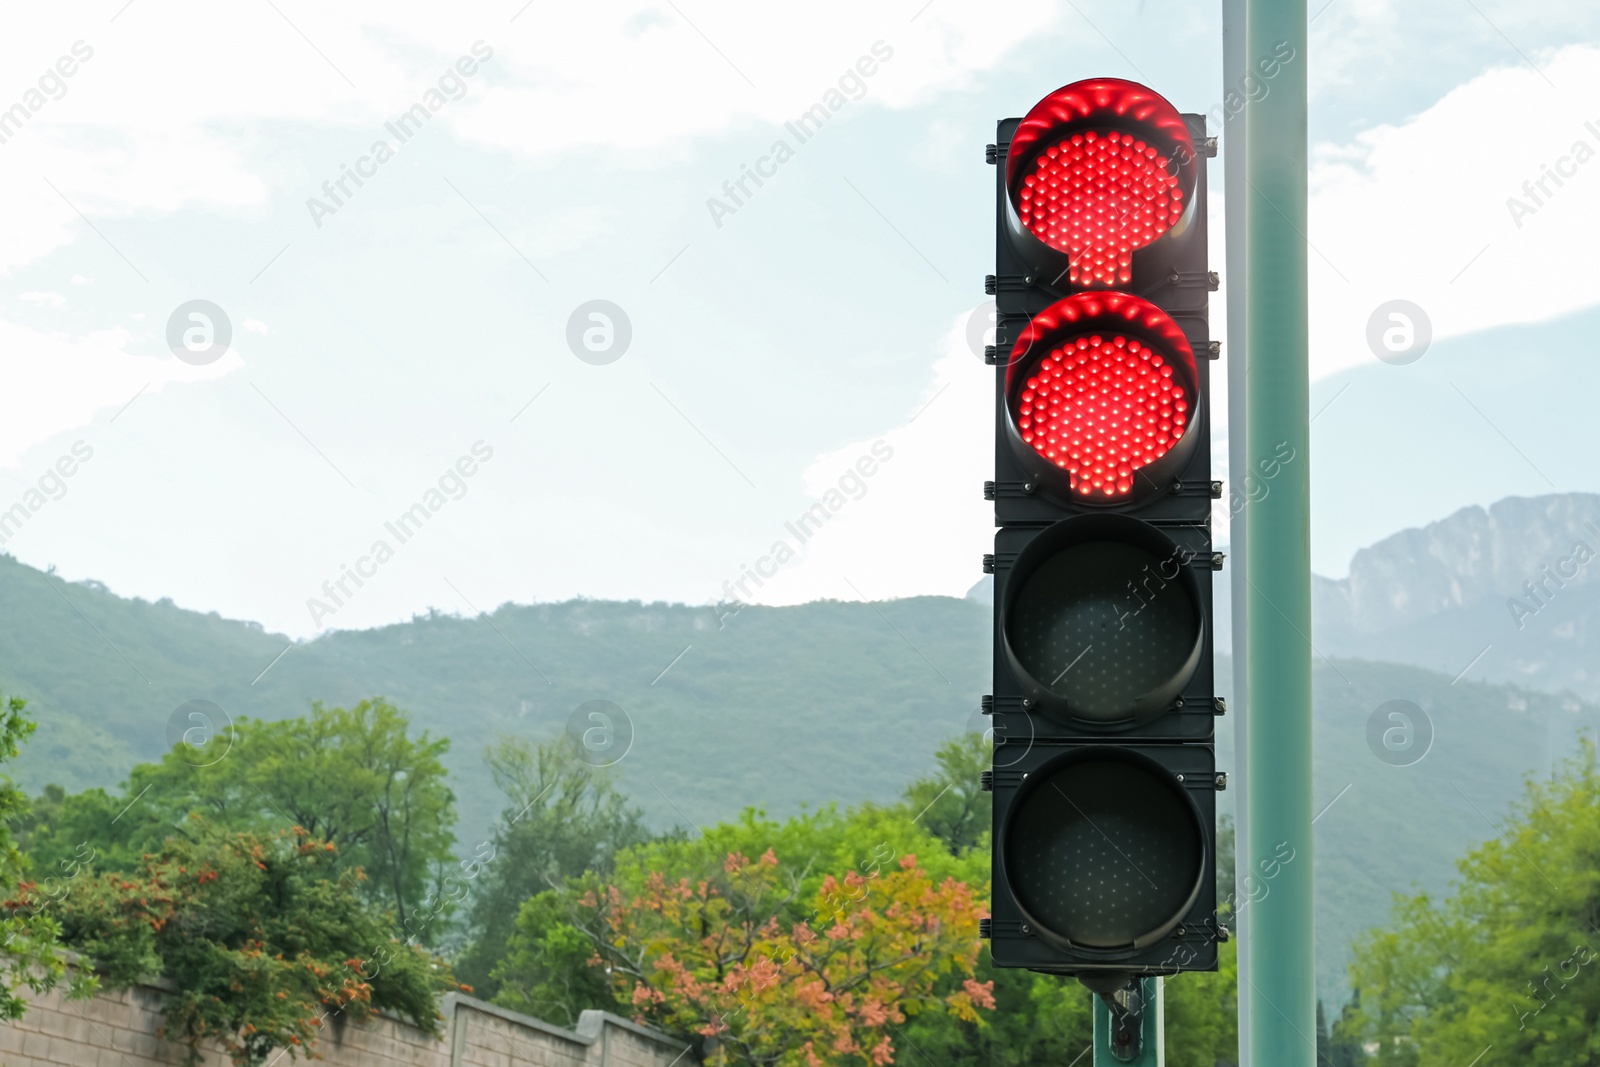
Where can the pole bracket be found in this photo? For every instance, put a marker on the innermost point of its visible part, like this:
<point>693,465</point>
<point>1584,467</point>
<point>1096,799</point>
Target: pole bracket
<point>1126,1006</point>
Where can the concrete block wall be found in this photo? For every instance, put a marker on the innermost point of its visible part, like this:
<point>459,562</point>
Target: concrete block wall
<point>118,1029</point>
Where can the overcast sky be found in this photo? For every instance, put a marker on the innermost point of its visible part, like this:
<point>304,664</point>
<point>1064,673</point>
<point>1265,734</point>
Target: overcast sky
<point>407,338</point>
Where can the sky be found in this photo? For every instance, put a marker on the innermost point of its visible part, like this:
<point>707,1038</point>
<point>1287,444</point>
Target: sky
<point>424,332</point>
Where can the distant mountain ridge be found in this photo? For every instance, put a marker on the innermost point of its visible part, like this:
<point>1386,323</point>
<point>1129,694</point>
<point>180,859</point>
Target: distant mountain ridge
<point>1515,584</point>
<point>1520,548</point>
<point>766,706</point>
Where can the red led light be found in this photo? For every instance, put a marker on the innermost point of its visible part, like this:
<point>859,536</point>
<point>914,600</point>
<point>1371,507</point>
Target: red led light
<point>1101,385</point>
<point>1096,171</point>
<point>1100,407</point>
<point>1098,196</point>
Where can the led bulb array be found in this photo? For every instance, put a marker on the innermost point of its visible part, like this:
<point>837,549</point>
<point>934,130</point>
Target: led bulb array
<point>1101,407</point>
<point>1099,196</point>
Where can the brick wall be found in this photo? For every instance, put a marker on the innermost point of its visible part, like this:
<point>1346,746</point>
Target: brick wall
<point>117,1029</point>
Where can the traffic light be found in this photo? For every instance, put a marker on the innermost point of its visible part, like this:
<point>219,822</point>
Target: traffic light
<point>1104,704</point>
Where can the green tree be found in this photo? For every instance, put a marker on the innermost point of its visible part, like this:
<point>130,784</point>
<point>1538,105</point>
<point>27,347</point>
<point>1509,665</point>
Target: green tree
<point>1511,959</point>
<point>59,827</point>
<point>30,954</point>
<point>1344,1044</point>
<point>263,941</point>
<point>950,802</point>
<point>549,968</point>
<point>811,844</point>
<point>564,817</point>
<point>1203,1014</point>
<point>357,779</point>
<point>354,778</point>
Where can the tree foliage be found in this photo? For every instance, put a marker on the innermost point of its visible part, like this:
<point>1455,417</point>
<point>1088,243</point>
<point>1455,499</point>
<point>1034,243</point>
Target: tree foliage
<point>547,969</point>
<point>353,778</point>
<point>602,941</point>
<point>770,965</point>
<point>950,802</point>
<point>563,817</point>
<point>1346,1048</point>
<point>263,942</point>
<point>1512,958</point>
<point>30,955</point>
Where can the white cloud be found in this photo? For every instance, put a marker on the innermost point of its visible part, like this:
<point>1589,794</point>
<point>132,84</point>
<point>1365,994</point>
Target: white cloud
<point>256,326</point>
<point>55,300</point>
<point>173,108</point>
<point>161,115</point>
<point>921,526</point>
<point>55,384</point>
<point>1419,211</point>
<point>735,63</point>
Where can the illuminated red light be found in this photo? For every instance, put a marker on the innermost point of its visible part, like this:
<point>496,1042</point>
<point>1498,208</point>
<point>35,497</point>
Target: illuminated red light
<point>1101,407</point>
<point>1096,171</point>
<point>1102,385</point>
<point>1098,196</point>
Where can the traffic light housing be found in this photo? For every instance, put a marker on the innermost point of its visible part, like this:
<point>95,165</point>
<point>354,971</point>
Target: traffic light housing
<point>1104,703</point>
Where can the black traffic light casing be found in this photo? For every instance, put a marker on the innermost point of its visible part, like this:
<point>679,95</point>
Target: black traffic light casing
<point>1021,929</point>
<point>1103,642</point>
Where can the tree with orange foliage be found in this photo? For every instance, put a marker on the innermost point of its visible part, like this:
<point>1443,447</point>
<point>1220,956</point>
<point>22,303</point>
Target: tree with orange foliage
<point>771,965</point>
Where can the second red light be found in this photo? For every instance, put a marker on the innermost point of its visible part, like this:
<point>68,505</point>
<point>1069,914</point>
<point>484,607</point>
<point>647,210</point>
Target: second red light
<point>1102,406</point>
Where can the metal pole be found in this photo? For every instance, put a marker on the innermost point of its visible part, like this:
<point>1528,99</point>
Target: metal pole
<point>1235,66</point>
<point>1281,968</point>
<point>1152,1047</point>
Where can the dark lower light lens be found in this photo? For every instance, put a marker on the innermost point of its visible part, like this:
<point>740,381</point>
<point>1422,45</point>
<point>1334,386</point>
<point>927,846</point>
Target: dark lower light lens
<point>1105,851</point>
<point>1102,623</point>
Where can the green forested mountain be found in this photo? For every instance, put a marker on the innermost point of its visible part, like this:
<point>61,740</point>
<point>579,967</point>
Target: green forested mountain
<point>774,707</point>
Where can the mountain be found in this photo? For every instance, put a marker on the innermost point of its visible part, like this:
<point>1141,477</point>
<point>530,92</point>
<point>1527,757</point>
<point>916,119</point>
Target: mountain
<point>1482,416</point>
<point>776,707</point>
<point>800,706</point>
<point>1510,589</point>
<point>1505,593</point>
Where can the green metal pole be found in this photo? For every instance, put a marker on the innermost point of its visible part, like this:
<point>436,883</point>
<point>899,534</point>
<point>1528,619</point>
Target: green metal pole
<point>1152,1050</point>
<point>1281,947</point>
<point>1236,68</point>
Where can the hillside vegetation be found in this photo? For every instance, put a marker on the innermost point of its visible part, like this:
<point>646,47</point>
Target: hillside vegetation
<point>779,708</point>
